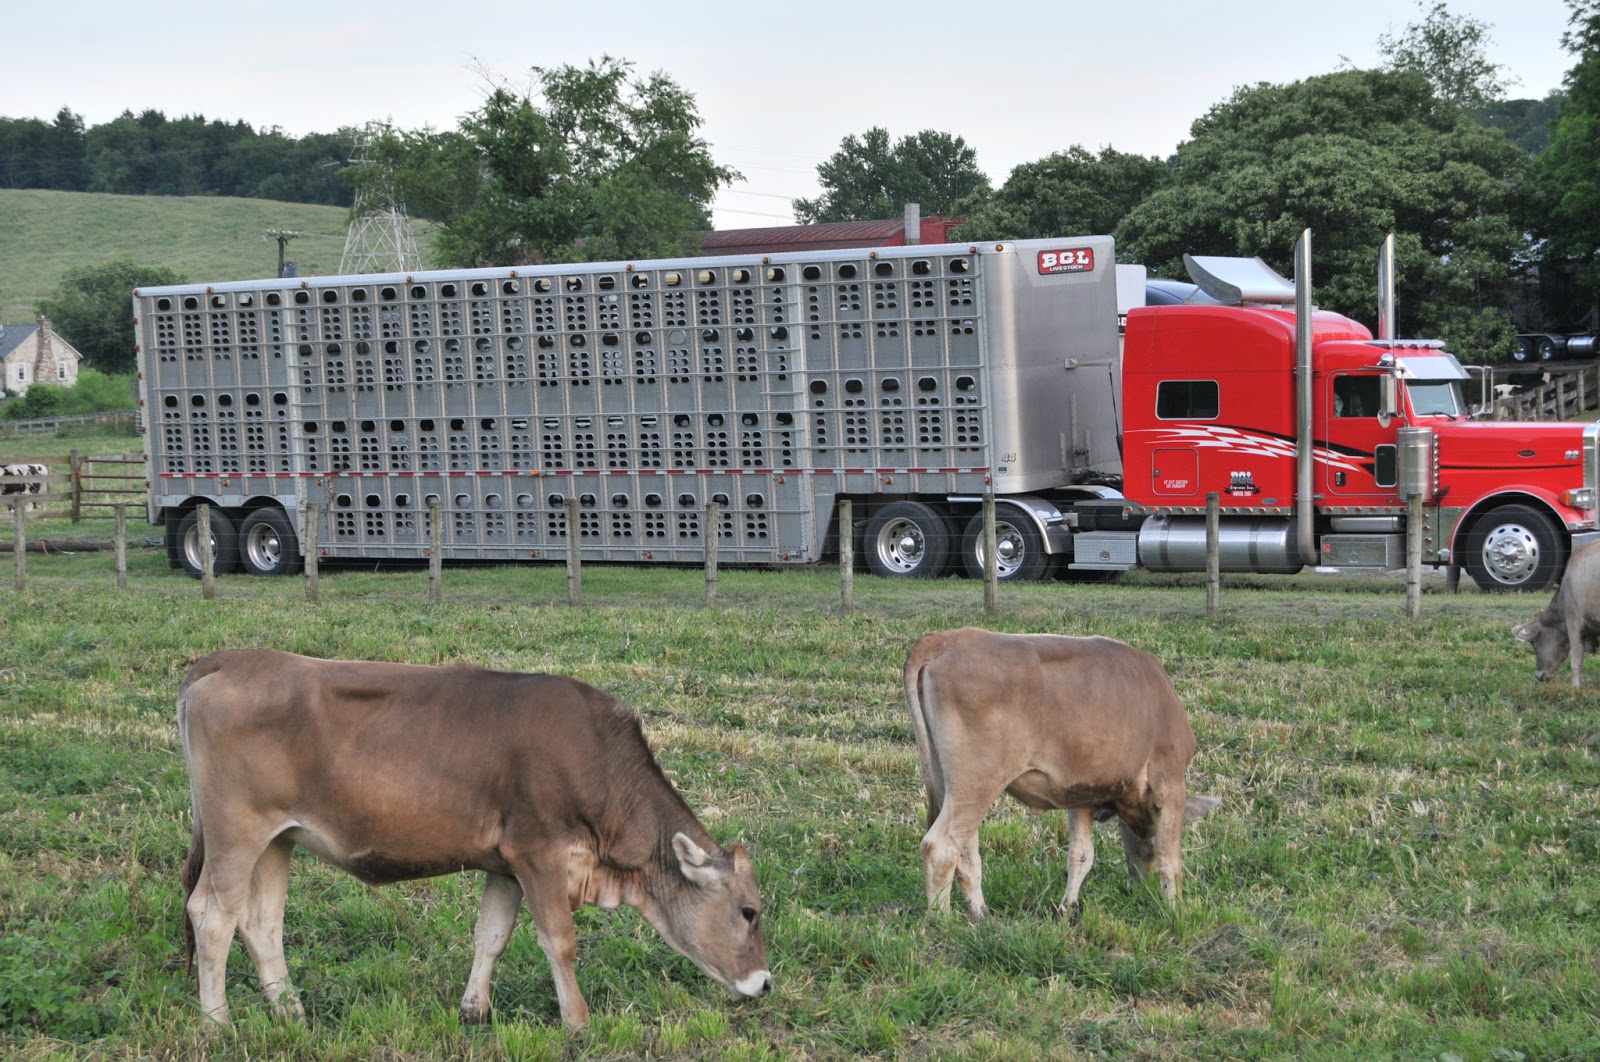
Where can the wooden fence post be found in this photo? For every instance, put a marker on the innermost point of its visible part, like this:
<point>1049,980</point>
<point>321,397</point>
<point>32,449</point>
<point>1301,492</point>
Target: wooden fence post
<point>120,512</point>
<point>1413,556</point>
<point>574,561</point>
<point>308,536</point>
<point>713,518</point>
<point>1213,552</point>
<point>991,562</point>
<point>435,553</point>
<point>19,541</point>
<point>75,472</point>
<point>208,558</point>
<point>847,557</point>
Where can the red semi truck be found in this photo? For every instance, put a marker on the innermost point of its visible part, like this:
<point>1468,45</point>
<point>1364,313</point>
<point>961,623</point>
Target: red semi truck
<point>911,381</point>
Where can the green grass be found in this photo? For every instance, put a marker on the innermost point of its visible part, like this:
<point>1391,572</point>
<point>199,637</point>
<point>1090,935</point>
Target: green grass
<point>47,236</point>
<point>1403,864</point>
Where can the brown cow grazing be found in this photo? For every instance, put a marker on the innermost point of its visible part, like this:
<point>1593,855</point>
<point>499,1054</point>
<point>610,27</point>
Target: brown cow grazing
<point>396,771</point>
<point>1570,625</point>
<point>1087,724</point>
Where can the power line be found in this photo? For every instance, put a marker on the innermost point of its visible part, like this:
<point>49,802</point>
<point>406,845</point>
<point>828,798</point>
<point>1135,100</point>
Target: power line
<point>763,195</point>
<point>751,213</point>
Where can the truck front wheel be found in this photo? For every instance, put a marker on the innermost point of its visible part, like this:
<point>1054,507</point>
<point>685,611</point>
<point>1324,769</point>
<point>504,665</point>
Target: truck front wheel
<point>224,543</point>
<point>268,544</point>
<point>1019,549</point>
<point>907,539</point>
<point>1514,547</point>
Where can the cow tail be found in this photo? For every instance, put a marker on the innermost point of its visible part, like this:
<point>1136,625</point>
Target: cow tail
<point>927,752</point>
<point>191,875</point>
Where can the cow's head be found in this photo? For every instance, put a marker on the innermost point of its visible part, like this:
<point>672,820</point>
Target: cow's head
<point>711,912</point>
<point>1549,641</point>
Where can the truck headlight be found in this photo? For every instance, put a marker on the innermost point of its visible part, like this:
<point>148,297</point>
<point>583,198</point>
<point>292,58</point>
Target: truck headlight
<point>1578,498</point>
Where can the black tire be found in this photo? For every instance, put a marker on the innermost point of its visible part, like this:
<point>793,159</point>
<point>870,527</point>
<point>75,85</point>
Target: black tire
<point>907,540</point>
<point>268,544</point>
<point>1019,548</point>
<point>1547,350</point>
<point>1514,547</point>
<point>224,543</point>
<point>1523,351</point>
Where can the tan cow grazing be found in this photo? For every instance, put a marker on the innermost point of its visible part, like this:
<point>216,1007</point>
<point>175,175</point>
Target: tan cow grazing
<point>1570,625</point>
<point>396,771</point>
<point>1087,724</point>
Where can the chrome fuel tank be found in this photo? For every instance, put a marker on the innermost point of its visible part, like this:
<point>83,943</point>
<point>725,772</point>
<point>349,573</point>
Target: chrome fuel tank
<point>1245,544</point>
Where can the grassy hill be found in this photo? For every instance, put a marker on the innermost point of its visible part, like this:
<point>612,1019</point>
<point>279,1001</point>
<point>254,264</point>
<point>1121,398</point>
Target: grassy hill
<point>46,236</point>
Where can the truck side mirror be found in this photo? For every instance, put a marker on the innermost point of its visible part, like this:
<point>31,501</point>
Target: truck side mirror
<point>1388,398</point>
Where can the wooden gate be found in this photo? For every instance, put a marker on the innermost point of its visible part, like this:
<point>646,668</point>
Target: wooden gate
<point>100,483</point>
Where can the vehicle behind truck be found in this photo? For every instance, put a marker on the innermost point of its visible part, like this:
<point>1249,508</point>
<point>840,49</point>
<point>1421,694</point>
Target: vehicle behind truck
<point>911,381</point>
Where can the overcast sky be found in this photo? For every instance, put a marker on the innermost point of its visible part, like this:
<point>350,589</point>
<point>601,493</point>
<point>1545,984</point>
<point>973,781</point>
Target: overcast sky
<point>778,85</point>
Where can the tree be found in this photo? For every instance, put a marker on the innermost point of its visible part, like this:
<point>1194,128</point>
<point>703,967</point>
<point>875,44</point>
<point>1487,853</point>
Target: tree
<point>1452,53</point>
<point>1526,123</point>
<point>1353,155</point>
<point>1071,192</point>
<point>1569,172</point>
<point>602,165</point>
<point>868,178</point>
<point>92,311</point>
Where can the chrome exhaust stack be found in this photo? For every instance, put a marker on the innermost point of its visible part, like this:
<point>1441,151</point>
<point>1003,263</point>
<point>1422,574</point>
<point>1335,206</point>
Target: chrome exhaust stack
<point>1386,303</point>
<point>1251,282</point>
<point>1304,513</point>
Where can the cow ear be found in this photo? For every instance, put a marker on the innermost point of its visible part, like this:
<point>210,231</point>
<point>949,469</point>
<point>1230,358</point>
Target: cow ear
<point>694,861</point>
<point>1523,631</point>
<point>1196,806</point>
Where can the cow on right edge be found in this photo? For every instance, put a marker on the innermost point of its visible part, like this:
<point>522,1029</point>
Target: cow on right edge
<point>1091,725</point>
<point>1570,625</point>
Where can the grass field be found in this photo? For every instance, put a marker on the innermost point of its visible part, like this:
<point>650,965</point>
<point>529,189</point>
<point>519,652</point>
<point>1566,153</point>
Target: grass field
<point>47,236</point>
<point>1403,865</point>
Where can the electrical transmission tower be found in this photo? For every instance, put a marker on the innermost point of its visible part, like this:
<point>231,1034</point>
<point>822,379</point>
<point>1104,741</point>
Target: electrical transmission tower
<point>379,239</point>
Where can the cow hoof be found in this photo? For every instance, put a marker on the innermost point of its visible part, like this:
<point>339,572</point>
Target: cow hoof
<point>475,1016</point>
<point>1071,912</point>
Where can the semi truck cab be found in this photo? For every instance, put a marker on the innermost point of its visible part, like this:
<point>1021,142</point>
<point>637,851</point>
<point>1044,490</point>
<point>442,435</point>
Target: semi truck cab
<point>1212,405</point>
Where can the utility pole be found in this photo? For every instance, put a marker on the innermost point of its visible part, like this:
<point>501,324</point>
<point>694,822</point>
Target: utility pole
<point>283,236</point>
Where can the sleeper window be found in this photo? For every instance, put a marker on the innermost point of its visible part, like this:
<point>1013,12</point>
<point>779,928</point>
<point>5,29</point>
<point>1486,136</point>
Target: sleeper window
<point>1187,400</point>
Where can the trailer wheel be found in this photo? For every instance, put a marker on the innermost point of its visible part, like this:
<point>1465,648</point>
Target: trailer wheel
<point>1514,547</point>
<point>268,544</point>
<point>907,539</point>
<point>1019,549</point>
<point>224,543</point>
<point>1547,349</point>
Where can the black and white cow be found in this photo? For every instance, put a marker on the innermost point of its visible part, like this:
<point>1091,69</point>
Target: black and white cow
<point>23,479</point>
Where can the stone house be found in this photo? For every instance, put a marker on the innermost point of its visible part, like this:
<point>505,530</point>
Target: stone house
<point>31,353</point>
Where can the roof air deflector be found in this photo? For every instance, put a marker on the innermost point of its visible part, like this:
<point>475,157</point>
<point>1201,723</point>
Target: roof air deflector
<point>1238,281</point>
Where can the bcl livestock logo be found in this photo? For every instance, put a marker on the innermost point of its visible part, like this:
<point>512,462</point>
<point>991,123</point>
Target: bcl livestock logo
<point>1071,260</point>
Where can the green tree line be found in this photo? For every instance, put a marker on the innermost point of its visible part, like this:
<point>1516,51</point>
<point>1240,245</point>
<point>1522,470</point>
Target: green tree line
<point>150,154</point>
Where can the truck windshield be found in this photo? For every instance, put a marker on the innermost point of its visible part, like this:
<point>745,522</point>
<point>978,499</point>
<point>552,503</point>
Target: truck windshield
<point>1436,398</point>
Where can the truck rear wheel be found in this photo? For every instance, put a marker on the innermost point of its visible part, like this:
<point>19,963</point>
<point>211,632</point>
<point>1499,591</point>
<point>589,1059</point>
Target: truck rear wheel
<point>1514,547</point>
<point>224,543</point>
<point>907,539</point>
<point>268,544</point>
<point>1019,549</point>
